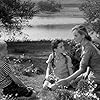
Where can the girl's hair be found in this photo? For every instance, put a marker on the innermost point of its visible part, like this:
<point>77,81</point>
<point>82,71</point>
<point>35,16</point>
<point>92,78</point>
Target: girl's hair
<point>82,30</point>
<point>54,44</point>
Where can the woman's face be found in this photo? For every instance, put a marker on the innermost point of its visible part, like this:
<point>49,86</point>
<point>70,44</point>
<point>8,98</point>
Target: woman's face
<point>60,48</point>
<point>77,37</point>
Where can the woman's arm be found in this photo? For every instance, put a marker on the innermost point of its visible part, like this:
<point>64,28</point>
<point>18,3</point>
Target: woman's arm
<point>71,77</point>
<point>67,80</point>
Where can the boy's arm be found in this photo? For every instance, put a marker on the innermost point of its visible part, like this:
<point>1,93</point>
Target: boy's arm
<point>16,80</point>
<point>6,68</point>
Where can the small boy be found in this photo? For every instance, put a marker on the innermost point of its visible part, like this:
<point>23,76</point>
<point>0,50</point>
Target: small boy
<point>9,83</point>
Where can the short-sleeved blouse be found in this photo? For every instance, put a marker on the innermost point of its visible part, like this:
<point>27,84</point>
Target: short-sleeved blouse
<point>91,57</point>
<point>61,68</point>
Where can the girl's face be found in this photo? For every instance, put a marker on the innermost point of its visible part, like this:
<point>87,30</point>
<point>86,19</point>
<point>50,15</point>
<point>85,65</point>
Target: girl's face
<point>60,48</point>
<point>77,37</point>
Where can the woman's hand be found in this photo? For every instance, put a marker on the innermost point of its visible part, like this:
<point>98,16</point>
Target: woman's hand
<point>63,82</point>
<point>59,83</point>
<point>54,86</point>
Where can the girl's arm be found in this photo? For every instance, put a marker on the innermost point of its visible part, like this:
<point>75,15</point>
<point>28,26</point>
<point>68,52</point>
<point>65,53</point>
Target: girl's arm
<point>49,67</point>
<point>70,65</point>
<point>48,71</point>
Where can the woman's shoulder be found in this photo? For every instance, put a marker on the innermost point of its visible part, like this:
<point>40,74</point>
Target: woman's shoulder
<point>91,46</point>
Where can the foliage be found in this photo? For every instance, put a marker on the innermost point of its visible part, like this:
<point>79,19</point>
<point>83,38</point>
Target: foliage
<point>84,91</point>
<point>91,11</point>
<point>23,65</point>
<point>49,5</point>
<point>13,12</point>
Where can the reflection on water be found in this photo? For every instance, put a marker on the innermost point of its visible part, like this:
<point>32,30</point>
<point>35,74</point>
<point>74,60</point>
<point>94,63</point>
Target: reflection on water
<point>39,33</point>
<point>54,20</point>
<point>51,28</point>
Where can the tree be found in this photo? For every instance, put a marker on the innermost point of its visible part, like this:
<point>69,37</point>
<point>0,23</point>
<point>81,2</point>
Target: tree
<point>91,12</point>
<point>14,12</point>
<point>49,6</point>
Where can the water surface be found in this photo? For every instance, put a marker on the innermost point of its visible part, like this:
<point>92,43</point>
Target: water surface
<point>51,27</point>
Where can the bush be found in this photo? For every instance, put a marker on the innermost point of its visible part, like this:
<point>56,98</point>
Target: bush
<point>91,12</point>
<point>49,5</point>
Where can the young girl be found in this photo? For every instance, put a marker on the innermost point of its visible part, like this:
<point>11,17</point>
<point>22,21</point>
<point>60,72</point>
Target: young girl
<point>59,64</point>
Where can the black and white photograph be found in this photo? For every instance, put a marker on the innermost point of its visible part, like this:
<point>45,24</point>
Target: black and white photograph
<point>49,49</point>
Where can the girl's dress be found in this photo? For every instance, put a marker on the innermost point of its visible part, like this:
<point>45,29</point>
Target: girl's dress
<point>62,67</point>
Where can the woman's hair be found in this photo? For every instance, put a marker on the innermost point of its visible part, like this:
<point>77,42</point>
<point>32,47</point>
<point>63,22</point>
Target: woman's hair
<point>54,44</point>
<point>82,30</point>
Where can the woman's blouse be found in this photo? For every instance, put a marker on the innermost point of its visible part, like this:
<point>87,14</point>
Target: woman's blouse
<point>61,67</point>
<point>91,57</point>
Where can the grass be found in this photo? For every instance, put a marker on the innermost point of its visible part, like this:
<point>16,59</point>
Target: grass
<point>39,56</point>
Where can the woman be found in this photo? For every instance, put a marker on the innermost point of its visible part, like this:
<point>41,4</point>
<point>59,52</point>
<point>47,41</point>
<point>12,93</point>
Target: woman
<point>90,57</point>
<point>59,64</point>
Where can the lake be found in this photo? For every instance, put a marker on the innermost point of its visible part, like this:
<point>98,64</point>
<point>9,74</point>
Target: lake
<point>51,27</point>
